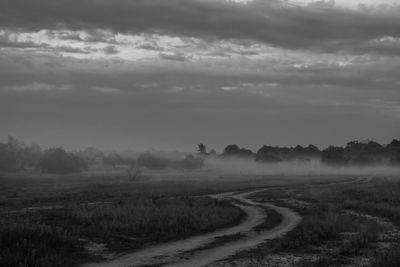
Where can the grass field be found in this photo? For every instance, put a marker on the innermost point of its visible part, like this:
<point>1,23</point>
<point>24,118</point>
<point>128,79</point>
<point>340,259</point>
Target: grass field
<point>48,236</point>
<point>343,224</point>
<point>71,219</point>
<point>82,218</point>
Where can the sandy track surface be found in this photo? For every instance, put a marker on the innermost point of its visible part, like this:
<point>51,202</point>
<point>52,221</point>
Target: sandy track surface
<point>170,254</point>
<point>290,220</point>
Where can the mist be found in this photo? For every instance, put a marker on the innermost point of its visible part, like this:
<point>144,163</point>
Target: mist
<point>237,166</point>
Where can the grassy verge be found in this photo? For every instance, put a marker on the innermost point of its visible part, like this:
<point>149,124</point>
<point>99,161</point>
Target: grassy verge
<point>24,244</point>
<point>273,219</point>
<point>45,238</point>
<point>330,234</point>
<point>390,258</point>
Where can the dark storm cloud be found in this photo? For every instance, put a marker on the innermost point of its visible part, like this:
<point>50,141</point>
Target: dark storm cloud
<point>174,56</point>
<point>150,46</point>
<point>22,68</point>
<point>316,27</point>
<point>69,49</point>
<point>110,50</point>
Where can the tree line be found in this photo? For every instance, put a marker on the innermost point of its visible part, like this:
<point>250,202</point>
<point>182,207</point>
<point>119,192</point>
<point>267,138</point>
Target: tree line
<point>365,152</point>
<point>17,156</point>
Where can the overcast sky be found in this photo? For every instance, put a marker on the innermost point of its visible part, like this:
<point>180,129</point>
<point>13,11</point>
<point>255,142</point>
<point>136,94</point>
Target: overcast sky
<point>168,74</point>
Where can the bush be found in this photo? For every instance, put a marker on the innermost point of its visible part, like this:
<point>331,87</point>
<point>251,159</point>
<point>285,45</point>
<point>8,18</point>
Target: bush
<point>191,162</point>
<point>57,161</point>
<point>334,155</point>
<point>152,161</point>
<point>8,158</point>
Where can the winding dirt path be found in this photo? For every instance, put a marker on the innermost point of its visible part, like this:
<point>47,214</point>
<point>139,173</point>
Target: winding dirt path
<point>170,254</point>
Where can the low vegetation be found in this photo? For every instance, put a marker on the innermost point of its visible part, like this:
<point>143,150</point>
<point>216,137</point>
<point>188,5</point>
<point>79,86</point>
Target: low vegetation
<point>25,244</point>
<point>390,258</point>
<point>319,227</point>
<point>44,237</point>
<point>338,224</point>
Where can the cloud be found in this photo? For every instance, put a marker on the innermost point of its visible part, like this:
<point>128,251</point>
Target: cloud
<point>67,35</point>
<point>230,88</point>
<point>7,42</point>
<point>110,50</point>
<point>69,49</point>
<point>149,85</point>
<point>37,87</point>
<point>150,46</point>
<point>174,56</point>
<point>57,95</point>
<point>105,90</point>
<point>317,27</point>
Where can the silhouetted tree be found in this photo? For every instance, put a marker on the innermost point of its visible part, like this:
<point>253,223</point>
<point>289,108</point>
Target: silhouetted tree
<point>395,159</point>
<point>312,150</point>
<point>212,153</point>
<point>8,158</point>
<point>202,150</point>
<point>91,154</point>
<point>152,161</point>
<point>267,157</point>
<point>191,162</point>
<point>334,155</point>
<point>15,155</point>
<point>273,154</point>
<point>235,151</point>
<point>394,150</point>
<point>134,173</point>
<point>111,160</point>
<point>31,156</point>
<point>276,154</point>
<point>394,144</point>
<point>365,152</point>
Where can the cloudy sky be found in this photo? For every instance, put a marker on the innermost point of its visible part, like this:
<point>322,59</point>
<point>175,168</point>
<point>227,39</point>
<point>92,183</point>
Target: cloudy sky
<point>168,74</point>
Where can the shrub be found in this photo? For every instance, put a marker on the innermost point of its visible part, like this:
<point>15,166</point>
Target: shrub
<point>190,162</point>
<point>57,161</point>
<point>8,158</point>
<point>334,155</point>
<point>152,161</point>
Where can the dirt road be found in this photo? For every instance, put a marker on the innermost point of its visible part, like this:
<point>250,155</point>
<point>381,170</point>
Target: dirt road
<point>173,253</point>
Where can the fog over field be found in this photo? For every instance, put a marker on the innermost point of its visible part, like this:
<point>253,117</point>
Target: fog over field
<point>313,167</point>
<point>199,133</point>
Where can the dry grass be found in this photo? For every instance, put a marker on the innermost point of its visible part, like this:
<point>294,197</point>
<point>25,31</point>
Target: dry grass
<point>24,244</point>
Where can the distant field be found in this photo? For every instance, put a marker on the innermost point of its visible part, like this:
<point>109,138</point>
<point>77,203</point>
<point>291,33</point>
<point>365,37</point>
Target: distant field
<point>33,189</point>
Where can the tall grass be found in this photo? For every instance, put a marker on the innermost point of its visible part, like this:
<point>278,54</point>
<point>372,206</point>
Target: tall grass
<point>389,259</point>
<point>149,220</point>
<point>318,228</point>
<point>51,237</point>
<point>24,244</point>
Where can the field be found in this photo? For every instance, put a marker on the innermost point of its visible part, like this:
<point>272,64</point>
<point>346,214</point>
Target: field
<point>75,219</point>
<point>344,224</point>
